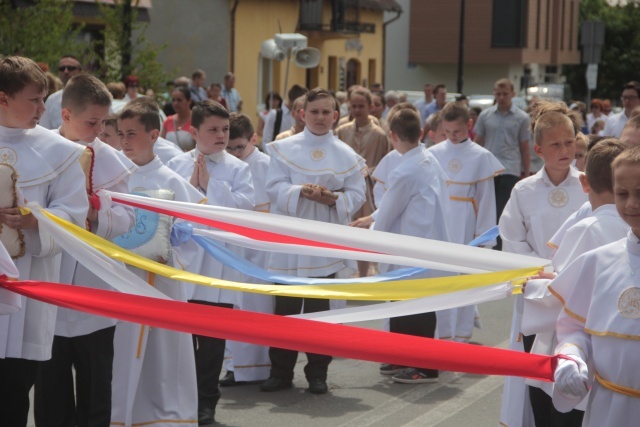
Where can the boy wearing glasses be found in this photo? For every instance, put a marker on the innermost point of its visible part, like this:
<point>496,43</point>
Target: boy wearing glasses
<point>630,100</point>
<point>68,67</point>
<point>249,362</point>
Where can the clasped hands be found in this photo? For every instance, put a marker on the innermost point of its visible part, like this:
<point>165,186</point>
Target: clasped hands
<point>200,176</point>
<point>318,193</point>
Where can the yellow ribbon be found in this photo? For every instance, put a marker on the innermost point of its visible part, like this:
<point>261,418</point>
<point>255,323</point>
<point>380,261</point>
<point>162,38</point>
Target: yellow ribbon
<point>393,290</point>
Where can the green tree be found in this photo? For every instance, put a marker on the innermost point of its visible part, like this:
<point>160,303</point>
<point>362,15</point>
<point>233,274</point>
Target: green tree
<point>621,51</point>
<point>127,50</point>
<point>43,31</point>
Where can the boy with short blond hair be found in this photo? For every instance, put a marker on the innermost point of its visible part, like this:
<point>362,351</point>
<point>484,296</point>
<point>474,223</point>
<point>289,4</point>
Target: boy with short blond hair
<point>416,203</point>
<point>543,298</point>
<point>470,169</point>
<point>249,362</point>
<point>50,175</point>
<point>154,375</point>
<point>598,324</point>
<point>83,341</point>
<point>538,206</point>
<point>226,181</point>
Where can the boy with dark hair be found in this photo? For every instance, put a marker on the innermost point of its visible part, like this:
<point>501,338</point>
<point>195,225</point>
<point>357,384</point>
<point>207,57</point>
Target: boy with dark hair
<point>313,176</point>
<point>163,148</point>
<point>226,181</point>
<point>416,203</point>
<point>154,368</point>
<point>50,175</point>
<point>249,362</point>
<point>470,170</point>
<point>82,341</point>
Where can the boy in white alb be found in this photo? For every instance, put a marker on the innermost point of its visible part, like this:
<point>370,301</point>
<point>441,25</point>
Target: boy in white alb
<point>598,328</point>
<point>470,169</point>
<point>311,175</point>
<point>416,203</point>
<point>249,362</point>
<point>83,341</point>
<point>50,175</point>
<point>154,376</point>
<point>538,206</point>
<point>225,181</point>
<point>542,304</point>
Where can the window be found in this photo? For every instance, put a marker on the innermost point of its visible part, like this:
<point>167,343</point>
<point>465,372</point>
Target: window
<point>509,23</point>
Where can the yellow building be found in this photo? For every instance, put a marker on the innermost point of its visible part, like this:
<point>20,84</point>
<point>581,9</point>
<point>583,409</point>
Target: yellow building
<point>348,34</point>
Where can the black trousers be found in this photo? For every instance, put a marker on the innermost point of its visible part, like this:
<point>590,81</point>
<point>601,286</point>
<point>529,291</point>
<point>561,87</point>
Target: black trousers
<point>544,413</point>
<point>419,325</point>
<point>17,376</point>
<point>283,361</point>
<point>503,184</point>
<point>56,402</point>
<point>209,354</point>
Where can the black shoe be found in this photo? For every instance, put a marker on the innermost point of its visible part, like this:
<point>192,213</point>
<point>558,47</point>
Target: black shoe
<point>318,386</point>
<point>229,380</point>
<point>206,416</point>
<point>275,384</point>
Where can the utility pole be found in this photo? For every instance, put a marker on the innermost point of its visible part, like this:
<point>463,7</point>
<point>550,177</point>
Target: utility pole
<point>461,49</point>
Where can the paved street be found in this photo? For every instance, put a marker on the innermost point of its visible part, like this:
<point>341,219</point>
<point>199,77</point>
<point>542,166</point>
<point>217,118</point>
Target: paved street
<point>360,396</point>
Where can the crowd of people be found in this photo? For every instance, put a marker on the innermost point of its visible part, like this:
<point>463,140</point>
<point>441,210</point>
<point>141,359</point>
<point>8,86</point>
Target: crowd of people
<point>362,158</point>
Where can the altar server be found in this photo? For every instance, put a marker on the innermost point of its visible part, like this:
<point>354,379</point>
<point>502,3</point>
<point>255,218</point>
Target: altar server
<point>537,207</point>
<point>598,326</point>
<point>470,170</point>
<point>249,362</point>
<point>84,342</point>
<point>313,176</point>
<point>49,174</point>
<point>225,181</point>
<point>154,369</point>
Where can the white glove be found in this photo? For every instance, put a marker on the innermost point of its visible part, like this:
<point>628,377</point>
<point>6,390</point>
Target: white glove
<point>571,378</point>
<point>105,201</point>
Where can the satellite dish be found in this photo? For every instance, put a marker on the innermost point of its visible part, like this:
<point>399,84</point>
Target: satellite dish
<point>308,57</point>
<point>270,50</point>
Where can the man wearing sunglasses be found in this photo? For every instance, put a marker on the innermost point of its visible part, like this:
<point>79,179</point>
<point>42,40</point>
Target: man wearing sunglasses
<point>68,66</point>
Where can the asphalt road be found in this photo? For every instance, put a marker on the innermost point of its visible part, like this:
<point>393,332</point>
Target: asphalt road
<point>360,396</point>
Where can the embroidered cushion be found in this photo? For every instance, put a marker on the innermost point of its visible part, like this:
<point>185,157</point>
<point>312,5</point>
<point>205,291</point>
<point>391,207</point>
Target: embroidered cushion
<point>150,235</point>
<point>12,239</point>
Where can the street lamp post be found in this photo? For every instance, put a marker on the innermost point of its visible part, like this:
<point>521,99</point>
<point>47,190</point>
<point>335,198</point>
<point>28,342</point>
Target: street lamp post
<point>461,49</point>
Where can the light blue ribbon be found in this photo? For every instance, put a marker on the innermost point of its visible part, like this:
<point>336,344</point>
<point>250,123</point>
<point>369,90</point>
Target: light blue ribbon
<point>231,259</point>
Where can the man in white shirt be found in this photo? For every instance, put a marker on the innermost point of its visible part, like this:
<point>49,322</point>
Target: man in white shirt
<point>271,128</point>
<point>630,100</point>
<point>68,66</point>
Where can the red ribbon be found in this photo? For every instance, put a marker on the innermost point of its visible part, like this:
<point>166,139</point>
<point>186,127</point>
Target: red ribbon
<point>290,333</point>
<point>253,233</point>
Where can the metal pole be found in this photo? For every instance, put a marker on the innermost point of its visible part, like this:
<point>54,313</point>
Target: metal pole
<point>461,49</point>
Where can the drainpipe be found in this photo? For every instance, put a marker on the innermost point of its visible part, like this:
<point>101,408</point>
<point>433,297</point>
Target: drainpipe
<point>384,42</point>
<point>232,40</point>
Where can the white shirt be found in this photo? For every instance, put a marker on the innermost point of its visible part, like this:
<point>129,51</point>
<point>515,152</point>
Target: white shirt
<point>287,122</point>
<point>52,117</point>
<point>615,124</point>
<point>599,324</point>
<point>306,158</point>
<point>470,169</point>
<point>50,175</point>
<point>165,150</point>
<point>536,209</point>
<point>416,202</point>
<point>230,185</point>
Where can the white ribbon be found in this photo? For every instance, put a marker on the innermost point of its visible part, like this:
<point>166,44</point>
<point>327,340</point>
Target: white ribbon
<point>112,272</point>
<point>441,255</point>
<point>414,306</point>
